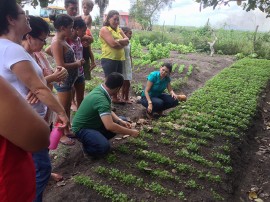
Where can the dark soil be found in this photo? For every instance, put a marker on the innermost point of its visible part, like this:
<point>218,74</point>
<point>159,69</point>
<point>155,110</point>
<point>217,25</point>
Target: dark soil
<point>251,158</point>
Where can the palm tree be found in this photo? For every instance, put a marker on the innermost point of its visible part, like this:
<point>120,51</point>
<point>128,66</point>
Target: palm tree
<point>102,4</point>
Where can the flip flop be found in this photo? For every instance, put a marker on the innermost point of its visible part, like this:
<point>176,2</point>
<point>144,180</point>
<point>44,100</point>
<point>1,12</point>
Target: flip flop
<point>68,142</point>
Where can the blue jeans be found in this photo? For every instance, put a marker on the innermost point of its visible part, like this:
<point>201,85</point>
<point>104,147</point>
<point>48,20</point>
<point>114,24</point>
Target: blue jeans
<point>43,172</point>
<point>161,102</point>
<point>95,142</point>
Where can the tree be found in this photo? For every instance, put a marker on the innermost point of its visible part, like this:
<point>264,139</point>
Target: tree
<point>263,5</point>
<point>146,12</point>
<point>34,3</point>
<point>102,4</point>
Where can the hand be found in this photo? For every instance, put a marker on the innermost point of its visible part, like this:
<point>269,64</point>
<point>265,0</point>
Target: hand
<point>174,96</point>
<point>62,118</point>
<point>124,42</point>
<point>82,61</point>
<point>134,133</point>
<point>125,124</point>
<point>60,74</point>
<point>150,108</point>
<point>32,98</point>
<point>93,65</point>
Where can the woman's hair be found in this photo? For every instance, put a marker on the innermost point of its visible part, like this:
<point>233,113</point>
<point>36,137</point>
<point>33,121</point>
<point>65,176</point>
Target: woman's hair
<point>126,29</point>
<point>109,16</point>
<point>114,80</point>
<point>168,65</point>
<point>78,23</point>
<point>38,25</point>
<point>7,8</point>
<point>61,20</point>
<point>88,3</point>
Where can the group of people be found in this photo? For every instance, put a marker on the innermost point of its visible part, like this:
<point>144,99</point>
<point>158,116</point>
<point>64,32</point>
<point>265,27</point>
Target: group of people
<point>25,67</point>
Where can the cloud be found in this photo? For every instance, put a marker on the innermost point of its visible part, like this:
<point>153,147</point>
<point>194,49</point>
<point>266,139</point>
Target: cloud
<point>186,13</point>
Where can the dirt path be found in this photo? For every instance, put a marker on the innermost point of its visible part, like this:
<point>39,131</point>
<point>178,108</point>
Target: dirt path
<point>255,178</point>
<point>70,161</point>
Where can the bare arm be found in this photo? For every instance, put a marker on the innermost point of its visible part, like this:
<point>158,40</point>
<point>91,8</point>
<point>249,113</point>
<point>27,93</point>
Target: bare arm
<point>106,35</point>
<point>148,87</point>
<point>170,90</point>
<point>57,52</point>
<point>60,74</point>
<point>19,123</point>
<point>26,73</point>
<point>48,50</point>
<point>116,128</point>
<point>88,21</point>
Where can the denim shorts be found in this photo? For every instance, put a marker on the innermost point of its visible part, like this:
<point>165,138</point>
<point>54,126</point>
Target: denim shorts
<point>69,82</point>
<point>110,66</point>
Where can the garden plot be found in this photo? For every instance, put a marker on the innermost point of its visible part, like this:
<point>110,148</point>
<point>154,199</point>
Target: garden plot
<point>188,155</point>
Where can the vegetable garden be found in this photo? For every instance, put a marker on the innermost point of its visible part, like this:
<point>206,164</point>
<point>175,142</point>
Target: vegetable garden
<point>189,155</point>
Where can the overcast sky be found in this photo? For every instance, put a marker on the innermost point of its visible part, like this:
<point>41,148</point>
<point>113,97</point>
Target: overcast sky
<point>186,13</point>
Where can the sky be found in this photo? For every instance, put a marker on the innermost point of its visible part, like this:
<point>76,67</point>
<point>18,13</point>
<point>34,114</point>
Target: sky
<point>187,13</point>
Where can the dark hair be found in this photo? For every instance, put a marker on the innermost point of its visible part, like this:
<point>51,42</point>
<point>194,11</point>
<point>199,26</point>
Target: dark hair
<point>78,23</point>
<point>114,80</point>
<point>61,20</point>
<point>109,16</point>
<point>168,65</point>
<point>126,29</point>
<point>7,8</point>
<point>67,2</point>
<point>38,25</point>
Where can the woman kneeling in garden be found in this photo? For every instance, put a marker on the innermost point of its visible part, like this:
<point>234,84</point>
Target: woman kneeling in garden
<point>153,97</point>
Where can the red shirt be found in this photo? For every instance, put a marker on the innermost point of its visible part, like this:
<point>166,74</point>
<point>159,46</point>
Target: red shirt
<point>17,173</point>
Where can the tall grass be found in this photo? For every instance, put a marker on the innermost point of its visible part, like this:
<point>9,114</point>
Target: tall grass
<point>230,42</point>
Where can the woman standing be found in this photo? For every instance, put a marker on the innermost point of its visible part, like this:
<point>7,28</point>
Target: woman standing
<point>153,97</point>
<point>33,43</point>
<point>113,41</point>
<point>64,56</point>
<point>25,75</point>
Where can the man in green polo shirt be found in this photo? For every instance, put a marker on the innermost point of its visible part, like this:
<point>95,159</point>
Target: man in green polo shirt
<point>95,123</point>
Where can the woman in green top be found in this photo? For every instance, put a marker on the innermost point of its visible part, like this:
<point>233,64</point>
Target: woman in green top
<point>153,96</point>
<point>113,40</point>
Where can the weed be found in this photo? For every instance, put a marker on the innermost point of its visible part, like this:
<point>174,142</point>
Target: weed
<point>111,158</point>
<point>137,88</point>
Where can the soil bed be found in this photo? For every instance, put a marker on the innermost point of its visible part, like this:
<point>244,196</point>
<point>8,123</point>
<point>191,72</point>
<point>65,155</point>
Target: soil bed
<point>71,161</point>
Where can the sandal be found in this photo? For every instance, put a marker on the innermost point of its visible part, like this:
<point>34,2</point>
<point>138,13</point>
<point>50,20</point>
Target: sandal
<point>67,142</point>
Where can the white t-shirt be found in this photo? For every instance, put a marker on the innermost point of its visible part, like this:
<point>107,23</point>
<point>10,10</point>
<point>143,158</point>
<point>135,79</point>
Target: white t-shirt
<point>10,54</point>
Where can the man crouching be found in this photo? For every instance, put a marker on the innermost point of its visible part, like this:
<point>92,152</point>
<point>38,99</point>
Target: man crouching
<point>95,123</point>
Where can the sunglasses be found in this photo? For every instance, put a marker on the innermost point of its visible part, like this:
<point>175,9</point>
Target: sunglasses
<point>42,40</point>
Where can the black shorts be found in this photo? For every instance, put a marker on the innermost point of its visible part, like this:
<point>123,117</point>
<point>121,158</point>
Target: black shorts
<point>110,66</point>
